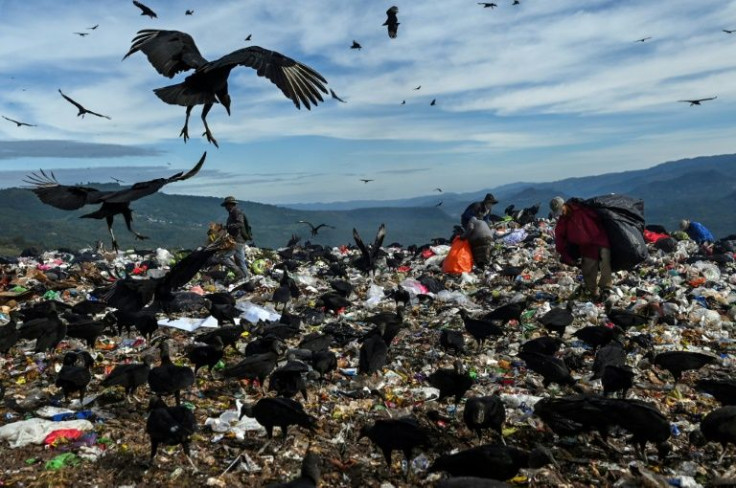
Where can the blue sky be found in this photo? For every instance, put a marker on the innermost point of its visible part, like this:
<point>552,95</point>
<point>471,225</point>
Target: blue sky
<point>536,92</point>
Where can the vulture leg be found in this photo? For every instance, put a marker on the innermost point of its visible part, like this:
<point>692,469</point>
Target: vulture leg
<point>185,130</point>
<point>128,216</point>
<point>207,131</point>
<point>112,234</point>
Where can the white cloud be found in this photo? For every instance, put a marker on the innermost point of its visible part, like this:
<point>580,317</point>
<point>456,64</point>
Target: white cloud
<point>558,87</point>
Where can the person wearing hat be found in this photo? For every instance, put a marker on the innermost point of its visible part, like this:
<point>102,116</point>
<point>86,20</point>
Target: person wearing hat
<point>480,210</point>
<point>238,228</point>
<point>696,231</point>
<point>555,207</point>
<point>579,233</point>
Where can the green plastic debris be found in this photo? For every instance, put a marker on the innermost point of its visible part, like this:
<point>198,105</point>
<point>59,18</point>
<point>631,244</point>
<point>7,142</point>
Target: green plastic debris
<point>30,461</point>
<point>18,289</point>
<point>105,440</point>
<point>188,405</point>
<point>473,374</point>
<point>220,365</point>
<point>62,461</point>
<point>258,266</point>
<point>51,295</point>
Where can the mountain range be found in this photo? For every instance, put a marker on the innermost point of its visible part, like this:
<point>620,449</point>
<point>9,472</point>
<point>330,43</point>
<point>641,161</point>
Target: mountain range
<point>701,189</point>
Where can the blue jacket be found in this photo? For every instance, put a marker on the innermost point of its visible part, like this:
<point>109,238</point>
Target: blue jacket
<point>699,233</point>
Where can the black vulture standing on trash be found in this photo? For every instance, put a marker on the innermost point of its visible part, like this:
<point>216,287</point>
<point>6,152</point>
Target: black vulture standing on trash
<point>487,412</point>
<point>492,461</point>
<point>129,376</point>
<point>404,434</point>
<point>169,426</point>
<point>168,378</point>
<point>677,362</point>
<point>73,197</point>
<point>278,412</point>
<point>451,382</point>
<point>73,377</point>
<point>719,426</point>
<point>172,52</point>
<point>723,390</point>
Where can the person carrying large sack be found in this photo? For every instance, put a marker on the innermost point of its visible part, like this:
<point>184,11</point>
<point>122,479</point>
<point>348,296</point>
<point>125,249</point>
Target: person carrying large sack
<point>580,234</point>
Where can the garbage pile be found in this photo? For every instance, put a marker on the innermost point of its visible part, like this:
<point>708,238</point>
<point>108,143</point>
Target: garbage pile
<point>349,367</point>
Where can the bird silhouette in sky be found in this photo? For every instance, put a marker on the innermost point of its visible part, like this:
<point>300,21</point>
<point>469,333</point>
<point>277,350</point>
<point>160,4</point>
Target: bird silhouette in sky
<point>433,102</point>
<point>82,110</point>
<point>727,31</point>
<point>113,203</point>
<point>145,10</point>
<point>93,27</point>
<point>189,12</point>
<point>438,189</point>
<point>417,88</point>
<point>488,5</point>
<point>392,22</point>
<point>17,122</point>
<point>438,203</point>
<point>249,36</point>
<point>314,229</point>
<point>403,102</point>
<point>334,95</point>
<point>171,52</point>
<point>365,181</point>
<point>117,180</point>
<point>356,45</point>
<point>643,39</point>
<point>516,2</point>
<point>697,100</point>
<point>82,34</point>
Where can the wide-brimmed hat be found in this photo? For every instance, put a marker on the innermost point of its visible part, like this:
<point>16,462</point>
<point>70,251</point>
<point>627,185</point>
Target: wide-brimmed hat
<point>490,198</point>
<point>228,201</point>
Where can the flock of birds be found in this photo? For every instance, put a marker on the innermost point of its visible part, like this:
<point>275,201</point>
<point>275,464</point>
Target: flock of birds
<point>135,304</point>
<point>171,52</point>
<point>575,410</point>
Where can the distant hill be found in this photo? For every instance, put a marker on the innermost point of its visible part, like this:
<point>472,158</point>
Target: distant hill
<point>178,221</point>
<point>702,189</point>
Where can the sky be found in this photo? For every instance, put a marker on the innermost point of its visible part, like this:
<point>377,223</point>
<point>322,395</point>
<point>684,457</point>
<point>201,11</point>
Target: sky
<point>539,91</point>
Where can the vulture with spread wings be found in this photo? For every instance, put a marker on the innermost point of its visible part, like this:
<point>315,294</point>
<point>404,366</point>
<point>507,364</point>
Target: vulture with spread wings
<point>314,228</point>
<point>66,197</point>
<point>369,254</point>
<point>172,52</point>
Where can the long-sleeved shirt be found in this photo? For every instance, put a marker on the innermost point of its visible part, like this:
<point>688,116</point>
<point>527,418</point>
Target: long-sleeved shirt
<point>477,230</point>
<point>582,227</point>
<point>237,225</point>
<point>699,233</point>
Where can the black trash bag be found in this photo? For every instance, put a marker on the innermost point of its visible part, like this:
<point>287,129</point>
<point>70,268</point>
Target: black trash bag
<point>666,244</point>
<point>623,219</point>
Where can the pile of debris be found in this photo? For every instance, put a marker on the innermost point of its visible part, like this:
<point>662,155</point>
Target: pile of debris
<point>363,352</point>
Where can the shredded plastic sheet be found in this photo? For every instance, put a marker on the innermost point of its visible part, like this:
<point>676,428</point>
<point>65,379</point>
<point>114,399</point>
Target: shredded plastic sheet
<point>253,313</point>
<point>189,324</point>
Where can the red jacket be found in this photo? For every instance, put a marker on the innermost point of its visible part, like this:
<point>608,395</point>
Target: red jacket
<point>581,227</point>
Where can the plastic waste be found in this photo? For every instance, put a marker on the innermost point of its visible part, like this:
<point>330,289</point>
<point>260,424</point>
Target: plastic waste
<point>374,296</point>
<point>61,436</point>
<point>35,430</point>
<point>253,313</point>
<point>62,461</point>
